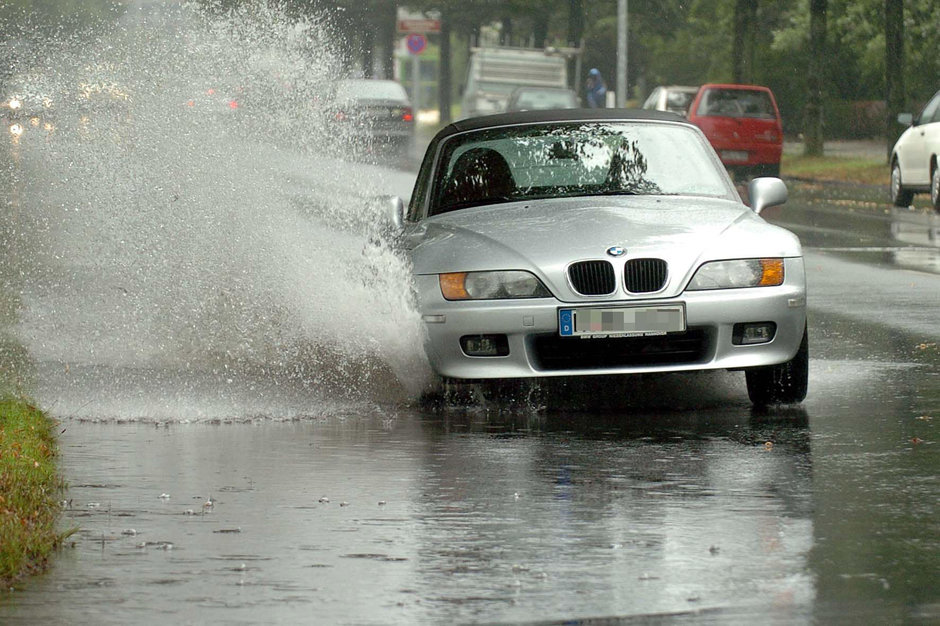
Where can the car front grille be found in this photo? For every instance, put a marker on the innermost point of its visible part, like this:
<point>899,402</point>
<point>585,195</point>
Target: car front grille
<point>592,278</point>
<point>554,353</point>
<point>644,275</point>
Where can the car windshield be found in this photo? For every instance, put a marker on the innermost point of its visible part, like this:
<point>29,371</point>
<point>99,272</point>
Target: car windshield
<point>737,103</point>
<point>574,159</point>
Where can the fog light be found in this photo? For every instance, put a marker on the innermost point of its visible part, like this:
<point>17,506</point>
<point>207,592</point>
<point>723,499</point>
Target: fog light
<point>485,345</point>
<point>754,333</point>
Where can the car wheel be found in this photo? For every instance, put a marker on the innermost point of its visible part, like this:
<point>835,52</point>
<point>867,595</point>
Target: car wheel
<point>935,187</point>
<point>770,169</point>
<point>781,384</point>
<point>899,195</point>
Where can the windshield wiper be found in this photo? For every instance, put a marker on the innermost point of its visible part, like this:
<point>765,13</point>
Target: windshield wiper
<point>617,192</point>
<point>466,204</point>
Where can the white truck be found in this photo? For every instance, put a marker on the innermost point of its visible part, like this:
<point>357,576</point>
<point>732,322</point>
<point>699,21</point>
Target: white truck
<point>494,72</point>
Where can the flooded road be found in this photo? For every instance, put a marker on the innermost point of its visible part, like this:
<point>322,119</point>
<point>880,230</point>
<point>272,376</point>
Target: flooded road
<point>397,514</point>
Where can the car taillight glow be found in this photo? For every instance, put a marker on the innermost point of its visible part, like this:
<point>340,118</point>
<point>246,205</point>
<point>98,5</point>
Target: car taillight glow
<point>407,115</point>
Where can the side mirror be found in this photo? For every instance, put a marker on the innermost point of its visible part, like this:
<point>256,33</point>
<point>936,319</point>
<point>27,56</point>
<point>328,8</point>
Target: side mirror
<point>906,119</point>
<point>391,210</point>
<point>766,192</point>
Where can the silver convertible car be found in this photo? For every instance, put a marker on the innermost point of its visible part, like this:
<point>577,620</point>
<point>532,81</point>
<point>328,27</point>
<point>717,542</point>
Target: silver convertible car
<point>602,242</point>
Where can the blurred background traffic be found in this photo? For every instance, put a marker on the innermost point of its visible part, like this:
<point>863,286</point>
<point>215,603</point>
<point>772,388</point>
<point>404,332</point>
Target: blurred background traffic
<point>845,69</point>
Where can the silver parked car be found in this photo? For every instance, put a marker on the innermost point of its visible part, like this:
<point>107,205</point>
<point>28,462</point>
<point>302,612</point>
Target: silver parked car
<point>675,98</point>
<point>597,242</point>
<point>915,159</point>
<point>538,98</point>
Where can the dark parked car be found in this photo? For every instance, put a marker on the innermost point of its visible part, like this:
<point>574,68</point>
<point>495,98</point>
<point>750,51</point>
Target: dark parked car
<point>376,113</point>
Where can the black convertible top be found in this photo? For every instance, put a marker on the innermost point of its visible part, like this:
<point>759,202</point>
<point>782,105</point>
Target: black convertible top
<point>556,115</point>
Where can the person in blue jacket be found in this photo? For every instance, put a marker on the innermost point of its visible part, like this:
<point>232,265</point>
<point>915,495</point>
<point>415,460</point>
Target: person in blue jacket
<point>596,90</point>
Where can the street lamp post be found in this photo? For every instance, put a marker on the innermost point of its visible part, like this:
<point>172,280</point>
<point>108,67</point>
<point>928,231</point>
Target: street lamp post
<point>623,20</point>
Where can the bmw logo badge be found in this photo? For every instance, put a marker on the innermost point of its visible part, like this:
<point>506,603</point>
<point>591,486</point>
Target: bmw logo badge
<point>616,251</point>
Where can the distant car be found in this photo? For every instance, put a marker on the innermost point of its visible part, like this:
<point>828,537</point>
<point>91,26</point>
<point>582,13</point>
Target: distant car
<point>600,242</point>
<point>743,124</point>
<point>28,106</point>
<point>540,98</point>
<point>217,100</point>
<point>376,113</point>
<point>675,98</point>
<point>915,159</point>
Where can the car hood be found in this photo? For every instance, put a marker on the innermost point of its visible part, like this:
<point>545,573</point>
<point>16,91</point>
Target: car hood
<point>545,236</point>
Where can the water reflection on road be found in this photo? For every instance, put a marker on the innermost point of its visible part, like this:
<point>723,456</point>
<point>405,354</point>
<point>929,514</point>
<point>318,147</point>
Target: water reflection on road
<point>433,518</point>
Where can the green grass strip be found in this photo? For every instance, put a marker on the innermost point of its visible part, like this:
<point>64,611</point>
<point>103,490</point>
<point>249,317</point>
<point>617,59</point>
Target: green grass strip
<point>827,168</point>
<point>29,484</point>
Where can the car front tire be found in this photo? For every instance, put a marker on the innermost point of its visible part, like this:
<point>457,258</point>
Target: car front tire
<point>786,383</point>
<point>935,187</point>
<point>899,195</point>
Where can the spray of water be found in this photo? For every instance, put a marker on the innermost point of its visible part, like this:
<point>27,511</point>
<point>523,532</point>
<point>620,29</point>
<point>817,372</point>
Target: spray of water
<point>186,223</point>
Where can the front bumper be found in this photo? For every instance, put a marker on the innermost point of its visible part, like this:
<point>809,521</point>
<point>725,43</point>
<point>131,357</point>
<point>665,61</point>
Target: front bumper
<point>535,348</point>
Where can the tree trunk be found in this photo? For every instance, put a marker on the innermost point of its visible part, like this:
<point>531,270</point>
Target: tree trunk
<point>894,70</point>
<point>813,132</point>
<point>575,35</point>
<point>540,28</point>
<point>505,33</point>
<point>389,38</point>
<point>368,52</point>
<point>742,43</point>
<point>444,77</point>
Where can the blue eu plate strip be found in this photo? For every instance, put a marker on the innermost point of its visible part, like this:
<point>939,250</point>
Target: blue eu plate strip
<point>566,322</point>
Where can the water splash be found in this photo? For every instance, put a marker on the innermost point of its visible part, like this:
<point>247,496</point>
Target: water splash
<point>186,218</point>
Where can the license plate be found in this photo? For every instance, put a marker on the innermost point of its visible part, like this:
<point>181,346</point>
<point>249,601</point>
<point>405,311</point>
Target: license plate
<point>733,155</point>
<point>621,321</point>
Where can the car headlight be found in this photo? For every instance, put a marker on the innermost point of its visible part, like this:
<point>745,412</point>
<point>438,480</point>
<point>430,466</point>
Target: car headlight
<point>737,274</point>
<point>491,285</point>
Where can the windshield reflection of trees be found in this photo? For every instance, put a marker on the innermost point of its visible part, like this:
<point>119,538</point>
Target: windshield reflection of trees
<point>535,163</point>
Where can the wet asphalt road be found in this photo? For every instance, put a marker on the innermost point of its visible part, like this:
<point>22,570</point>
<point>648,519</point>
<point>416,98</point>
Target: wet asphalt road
<point>254,498</point>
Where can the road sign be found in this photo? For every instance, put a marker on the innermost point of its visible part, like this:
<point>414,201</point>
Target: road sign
<point>426,25</point>
<point>416,43</point>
